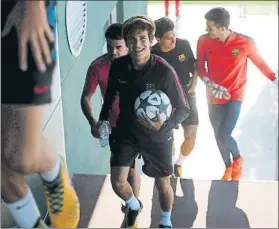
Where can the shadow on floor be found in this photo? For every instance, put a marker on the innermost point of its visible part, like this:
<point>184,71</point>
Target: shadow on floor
<point>222,211</point>
<point>88,190</point>
<point>185,208</point>
<point>257,136</point>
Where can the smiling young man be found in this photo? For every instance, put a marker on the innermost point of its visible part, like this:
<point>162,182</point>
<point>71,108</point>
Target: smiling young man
<point>97,75</point>
<point>222,57</point>
<point>178,53</point>
<point>130,76</point>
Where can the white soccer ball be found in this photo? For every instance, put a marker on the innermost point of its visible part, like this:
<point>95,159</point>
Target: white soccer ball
<point>152,101</point>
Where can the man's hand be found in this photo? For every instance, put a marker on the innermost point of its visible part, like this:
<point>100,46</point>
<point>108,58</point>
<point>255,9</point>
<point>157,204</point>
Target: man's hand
<point>215,90</point>
<point>95,130</point>
<point>219,92</point>
<point>192,84</point>
<point>155,126</point>
<point>30,21</point>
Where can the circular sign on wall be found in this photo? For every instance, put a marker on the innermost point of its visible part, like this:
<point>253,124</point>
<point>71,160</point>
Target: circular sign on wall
<point>76,23</point>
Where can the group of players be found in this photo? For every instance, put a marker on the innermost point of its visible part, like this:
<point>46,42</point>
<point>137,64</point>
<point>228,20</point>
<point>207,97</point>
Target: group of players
<point>130,66</point>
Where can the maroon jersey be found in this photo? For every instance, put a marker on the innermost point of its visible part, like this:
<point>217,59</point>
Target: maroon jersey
<point>97,74</point>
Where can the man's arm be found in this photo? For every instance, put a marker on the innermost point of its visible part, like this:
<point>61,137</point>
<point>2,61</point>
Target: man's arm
<point>111,93</point>
<point>256,58</point>
<point>191,64</point>
<point>178,100</point>
<point>201,59</point>
<point>91,83</point>
<point>191,58</point>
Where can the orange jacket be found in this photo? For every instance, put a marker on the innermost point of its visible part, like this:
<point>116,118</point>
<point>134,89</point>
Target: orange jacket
<point>225,63</point>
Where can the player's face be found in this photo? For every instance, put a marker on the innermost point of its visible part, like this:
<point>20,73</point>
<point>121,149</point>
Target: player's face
<point>213,30</point>
<point>139,44</point>
<point>116,48</point>
<point>168,40</point>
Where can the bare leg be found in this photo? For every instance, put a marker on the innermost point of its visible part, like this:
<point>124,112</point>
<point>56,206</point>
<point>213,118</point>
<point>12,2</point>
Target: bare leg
<point>18,197</point>
<point>166,198</point>
<point>26,151</point>
<point>135,180</point>
<point>119,182</point>
<point>190,133</point>
<point>166,195</point>
<point>23,146</point>
<point>13,185</point>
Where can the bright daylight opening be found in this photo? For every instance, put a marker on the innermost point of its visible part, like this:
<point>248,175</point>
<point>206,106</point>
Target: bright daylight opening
<point>256,130</point>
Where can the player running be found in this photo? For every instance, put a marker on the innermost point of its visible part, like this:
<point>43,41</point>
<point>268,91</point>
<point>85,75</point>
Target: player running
<point>178,53</point>
<point>130,76</point>
<point>222,56</point>
<point>28,61</point>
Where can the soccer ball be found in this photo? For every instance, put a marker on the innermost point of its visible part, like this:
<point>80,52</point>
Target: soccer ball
<point>152,101</point>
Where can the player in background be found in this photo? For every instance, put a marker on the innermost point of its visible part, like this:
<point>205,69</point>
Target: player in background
<point>28,60</point>
<point>222,56</point>
<point>97,75</point>
<point>129,76</point>
<point>178,53</point>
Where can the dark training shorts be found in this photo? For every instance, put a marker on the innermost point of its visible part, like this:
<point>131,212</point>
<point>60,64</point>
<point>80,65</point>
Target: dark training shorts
<point>29,87</point>
<point>113,140</point>
<point>193,118</point>
<point>157,156</point>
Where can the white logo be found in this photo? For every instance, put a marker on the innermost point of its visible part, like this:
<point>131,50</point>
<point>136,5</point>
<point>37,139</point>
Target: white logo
<point>120,81</point>
<point>150,86</point>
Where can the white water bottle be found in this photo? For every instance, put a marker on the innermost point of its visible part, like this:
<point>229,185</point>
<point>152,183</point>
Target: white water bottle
<point>104,133</point>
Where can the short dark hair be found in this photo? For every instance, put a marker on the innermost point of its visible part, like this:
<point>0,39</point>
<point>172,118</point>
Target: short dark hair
<point>114,31</point>
<point>139,22</point>
<point>163,25</point>
<point>220,16</point>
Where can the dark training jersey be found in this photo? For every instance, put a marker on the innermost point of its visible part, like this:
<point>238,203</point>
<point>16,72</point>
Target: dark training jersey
<point>129,83</point>
<point>181,58</point>
<point>97,75</point>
